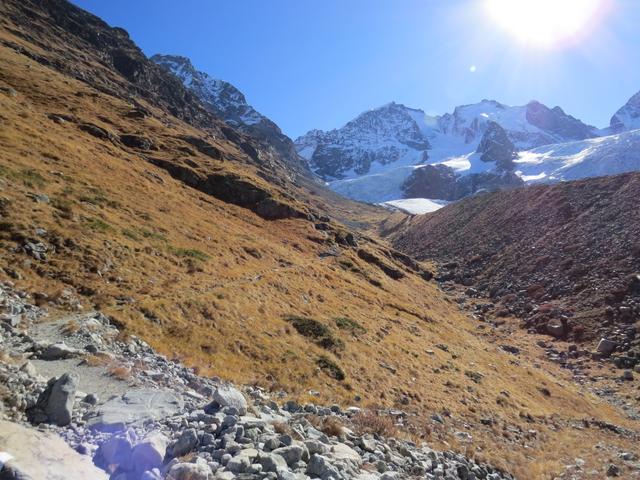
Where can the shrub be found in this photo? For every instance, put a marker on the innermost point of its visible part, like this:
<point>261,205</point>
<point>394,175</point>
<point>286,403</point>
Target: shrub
<point>345,323</point>
<point>189,253</point>
<point>331,368</point>
<point>121,372</point>
<point>127,232</point>
<point>98,224</point>
<point>29,177</point>
<point>308,327</point>
<point>317,331</point>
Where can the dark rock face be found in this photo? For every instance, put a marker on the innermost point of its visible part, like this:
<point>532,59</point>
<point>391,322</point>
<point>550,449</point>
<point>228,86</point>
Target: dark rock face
<point>232,189</point>
<point>441,182</point>
<point>496,147</point>
<point>556,122</point>
<point>432,181</point>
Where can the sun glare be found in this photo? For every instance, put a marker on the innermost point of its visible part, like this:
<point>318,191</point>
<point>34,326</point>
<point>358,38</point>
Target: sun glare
<point>545,23</point>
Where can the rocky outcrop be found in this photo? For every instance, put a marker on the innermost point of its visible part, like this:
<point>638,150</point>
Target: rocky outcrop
<point>234,189</point>
<point>441,182</point>
<point>556,122</point>
<point>495,147</point>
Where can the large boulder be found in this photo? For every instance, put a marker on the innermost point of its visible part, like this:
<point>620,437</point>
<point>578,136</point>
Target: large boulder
<point>55,403</point>
<point>58,351</point>
<point>228,396</point>
<point>39,455</point>
<point>115,453</point>
<point>149,453</point>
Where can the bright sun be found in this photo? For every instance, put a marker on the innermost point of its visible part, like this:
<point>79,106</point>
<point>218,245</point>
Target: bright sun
<point>545,23</point>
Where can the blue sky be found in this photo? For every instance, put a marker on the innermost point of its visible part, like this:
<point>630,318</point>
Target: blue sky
<point>319,63</point>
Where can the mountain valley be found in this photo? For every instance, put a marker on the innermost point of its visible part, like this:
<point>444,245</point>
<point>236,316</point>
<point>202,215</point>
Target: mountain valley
<point>183,297</point>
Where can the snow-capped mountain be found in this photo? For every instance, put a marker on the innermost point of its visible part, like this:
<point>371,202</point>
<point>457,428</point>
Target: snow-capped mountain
<point>394,136</point>
<point>222,97</point>
<point>380,155</point>
<point>628,117</point>
<point>387,135</point>
<point>228,103</point>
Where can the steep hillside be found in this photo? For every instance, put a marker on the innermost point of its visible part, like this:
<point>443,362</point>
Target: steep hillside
<point>546,253</point>
<point>119,191</point>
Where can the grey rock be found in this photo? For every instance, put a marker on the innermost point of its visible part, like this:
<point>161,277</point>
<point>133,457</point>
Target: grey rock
<point>58,351</point>
<point>149,453</point>
<point>606,346</point>
<point>115,452</point>
<point>291,454</point>
<point>58,399</point>
<point>190,471</point>
<point>187,442</point>
<point>135,408</point>
<point>316,446</point>
<point>321,467</point>
<point>229,397</point>
<point>238,464</point>
<point>343,452</point>
<point>271,462</point>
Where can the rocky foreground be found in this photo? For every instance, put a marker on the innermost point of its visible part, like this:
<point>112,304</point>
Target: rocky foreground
<point>127,413</point>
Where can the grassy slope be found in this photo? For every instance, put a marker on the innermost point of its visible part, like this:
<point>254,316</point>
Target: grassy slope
<point>211,283</point>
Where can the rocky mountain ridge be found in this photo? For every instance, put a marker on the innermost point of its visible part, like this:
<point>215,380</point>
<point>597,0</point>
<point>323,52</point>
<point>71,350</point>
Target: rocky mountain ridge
<point>360,167</point>
<point>228,103</point>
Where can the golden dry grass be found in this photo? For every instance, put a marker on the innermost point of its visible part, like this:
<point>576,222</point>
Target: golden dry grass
<point>225,310</point>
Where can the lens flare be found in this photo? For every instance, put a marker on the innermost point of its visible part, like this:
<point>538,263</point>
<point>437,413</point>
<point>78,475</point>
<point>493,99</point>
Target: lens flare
<point>546,23</point>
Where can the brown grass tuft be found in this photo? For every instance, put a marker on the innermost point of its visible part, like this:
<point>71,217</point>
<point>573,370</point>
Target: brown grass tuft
<point>373,422</point>
<point>121,372</point>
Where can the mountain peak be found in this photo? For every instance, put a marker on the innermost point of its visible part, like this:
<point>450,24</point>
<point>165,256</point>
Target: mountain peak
<point>627,117</point>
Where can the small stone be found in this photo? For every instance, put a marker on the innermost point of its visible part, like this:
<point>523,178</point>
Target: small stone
<point>606,346</point>
<point>613,470</point>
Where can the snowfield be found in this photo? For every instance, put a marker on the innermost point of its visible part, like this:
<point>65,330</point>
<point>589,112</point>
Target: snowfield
<point>416,206</point>
<point>595,157</point>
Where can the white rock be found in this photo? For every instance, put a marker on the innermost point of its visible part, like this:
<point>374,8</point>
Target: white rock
<point>230,397</point>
